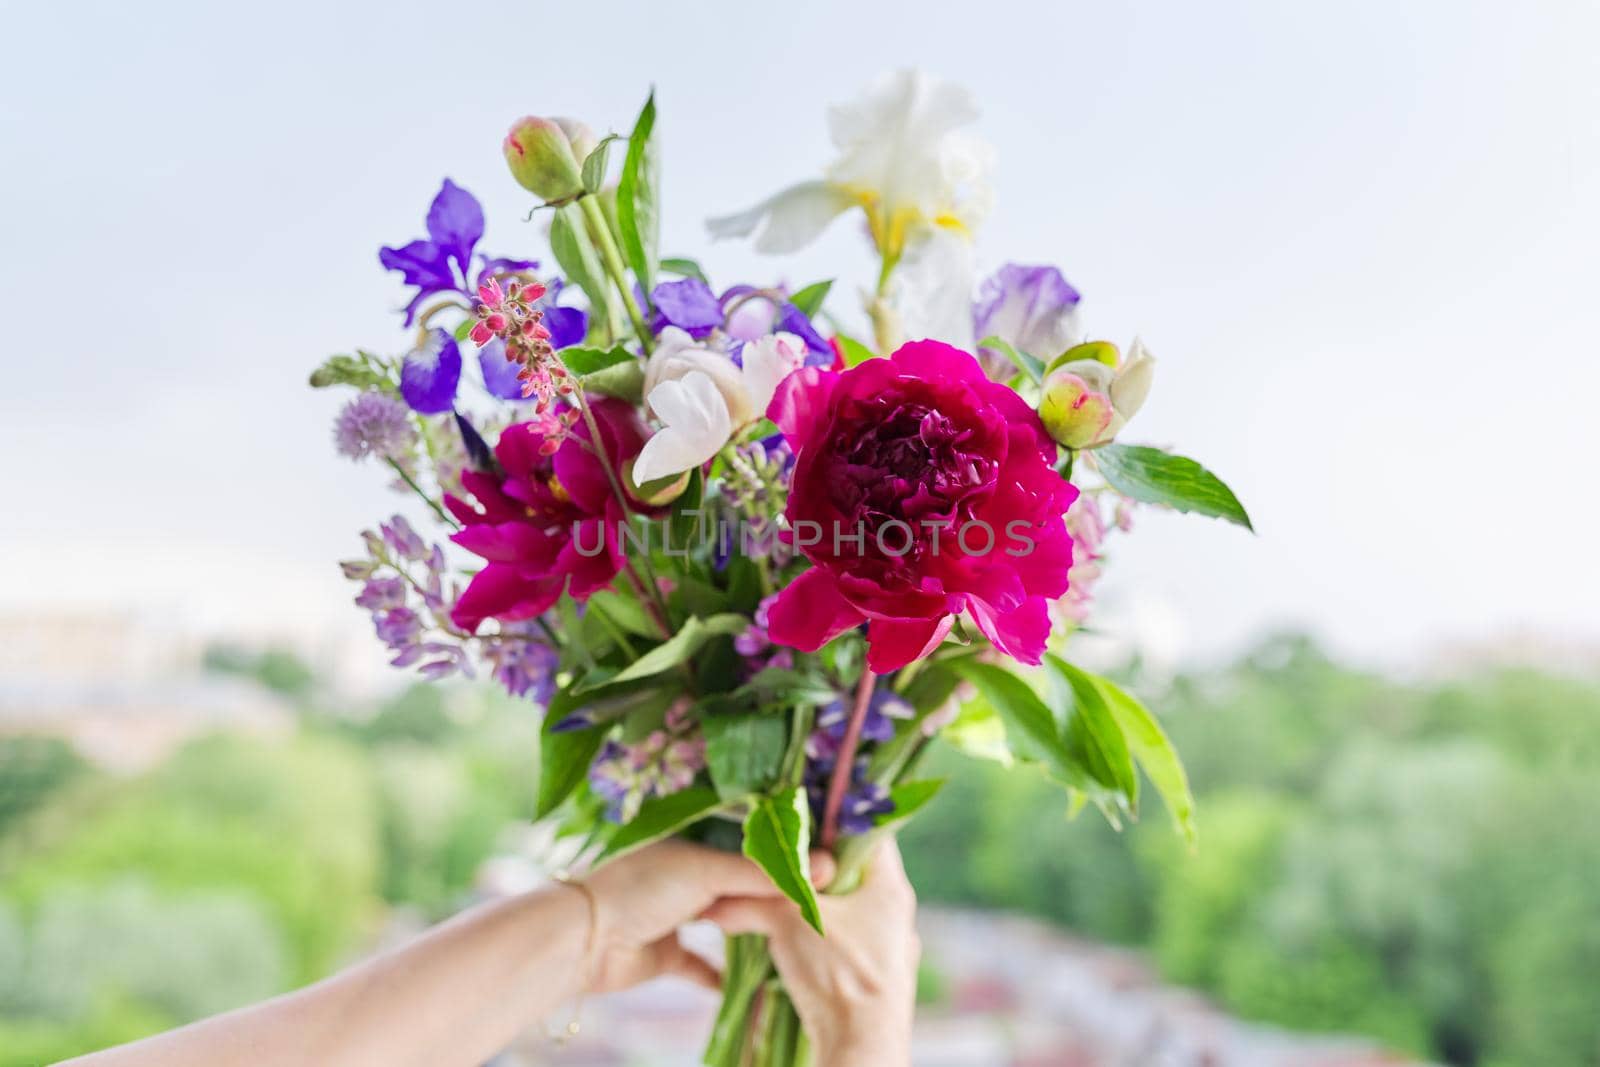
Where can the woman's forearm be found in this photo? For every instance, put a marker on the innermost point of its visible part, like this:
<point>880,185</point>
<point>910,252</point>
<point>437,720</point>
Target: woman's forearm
<point>457,995</point>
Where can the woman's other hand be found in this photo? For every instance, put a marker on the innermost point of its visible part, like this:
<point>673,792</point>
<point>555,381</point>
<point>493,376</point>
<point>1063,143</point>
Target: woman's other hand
<point>855,989</point>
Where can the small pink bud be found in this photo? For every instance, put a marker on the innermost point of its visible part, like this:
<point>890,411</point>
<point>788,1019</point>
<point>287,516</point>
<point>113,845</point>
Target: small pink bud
<point>490,293</point>
<point>481,335</point>
<point>496,322</point>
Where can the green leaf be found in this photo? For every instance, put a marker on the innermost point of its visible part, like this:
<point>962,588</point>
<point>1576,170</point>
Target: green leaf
<point>564,760</point>
<point>638,198</point>
<point>777,835</point>
<point>576,650</point>
<point>607,371</point>
<point>626,611</point>
<point>585,361</point>
<point>745,752</point>
<point>809,300</point>
<point>1031,727</point>
<point>684,268</point>
<point>1152,476</point>
<point>1095,728</point>
<point>661,817</point>
<point>979,732</point>
<point>908,799</point>
<point>683,644</point>
<point>594,166</point>
<point>1155,755</point>
<point>464,329</point>
<point>855,353</point>
<point>1030,366</point>
<point>580,264</point>
<point>688,517</point>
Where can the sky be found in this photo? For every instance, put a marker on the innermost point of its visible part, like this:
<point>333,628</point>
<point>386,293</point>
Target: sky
<point>1360,239</point>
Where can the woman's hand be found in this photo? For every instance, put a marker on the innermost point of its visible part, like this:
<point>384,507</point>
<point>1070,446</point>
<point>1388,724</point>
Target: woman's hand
<point>855,989</point>
<point>641,899</point>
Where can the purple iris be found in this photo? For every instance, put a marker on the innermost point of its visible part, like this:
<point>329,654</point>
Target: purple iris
<point>430,374</point>
<point>1032,308</point>
<point>688,304</point>
<point>442,262</point>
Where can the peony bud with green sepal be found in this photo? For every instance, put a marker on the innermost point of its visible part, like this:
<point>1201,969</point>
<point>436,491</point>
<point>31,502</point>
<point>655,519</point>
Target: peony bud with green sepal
<point>1089,392</point>
<point>545,156</point>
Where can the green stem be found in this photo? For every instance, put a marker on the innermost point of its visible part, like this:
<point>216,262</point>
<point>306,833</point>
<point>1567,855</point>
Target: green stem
<point>426,499</point>
<point>747,966</point>
<point>611,256</point>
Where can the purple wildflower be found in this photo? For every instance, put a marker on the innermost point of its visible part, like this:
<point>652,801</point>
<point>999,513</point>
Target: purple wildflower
<point>1032,308</point>
<point>430,374</point>
<point>442,262</point>
<point>524,666</point>
<point>374,424</point>
<point>665,762</point>
<point>688,304</point>
<point>403,587</point>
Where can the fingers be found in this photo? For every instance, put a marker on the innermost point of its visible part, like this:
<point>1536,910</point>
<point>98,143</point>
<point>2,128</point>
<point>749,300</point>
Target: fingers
<point>718,873</point>
<point>674,958</point>
<point>750,915</point>
<point>728,874</point>
<point>886,872</point>
<point>823,867</point>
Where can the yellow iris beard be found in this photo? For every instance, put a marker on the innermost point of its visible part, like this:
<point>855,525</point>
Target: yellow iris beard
<point>889,227</point>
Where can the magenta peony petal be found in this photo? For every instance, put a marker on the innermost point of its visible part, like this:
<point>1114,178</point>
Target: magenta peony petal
<point>935,360</point>
<point>507,542</point>
<point>1020,632</point>
<point>592,556</point>
<point>801,405</point>
<point>504,591</point>
<point>893,643</point>
<point>810,612</point>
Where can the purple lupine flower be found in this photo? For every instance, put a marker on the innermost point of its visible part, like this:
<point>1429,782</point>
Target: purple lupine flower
<point>688,304</point>
<point>403,587</point>
<point>399,628</point>
<point>374,424</point>
<point>524,666</point>
<point>665,762</point>
<point>883,708</point>
<point>381,594</point>
<point>430,374</point>
<point>403,540</point>
<point>442,262</point>
<point>864,801</point>
<point>1032,308</point>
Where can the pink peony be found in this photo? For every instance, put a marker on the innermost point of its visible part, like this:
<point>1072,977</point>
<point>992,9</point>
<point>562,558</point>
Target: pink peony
<point>921,489</point>
<point>531,511</point>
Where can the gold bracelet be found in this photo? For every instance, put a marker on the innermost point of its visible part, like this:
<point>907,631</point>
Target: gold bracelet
<point>575,1025</point>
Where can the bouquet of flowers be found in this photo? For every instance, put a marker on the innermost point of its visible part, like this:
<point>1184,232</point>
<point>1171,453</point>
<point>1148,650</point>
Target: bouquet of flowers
<point>751,566</point>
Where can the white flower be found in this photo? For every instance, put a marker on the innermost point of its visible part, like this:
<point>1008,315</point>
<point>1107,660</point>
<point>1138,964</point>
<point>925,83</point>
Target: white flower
<point>700,397</point>
<point>903,158</point>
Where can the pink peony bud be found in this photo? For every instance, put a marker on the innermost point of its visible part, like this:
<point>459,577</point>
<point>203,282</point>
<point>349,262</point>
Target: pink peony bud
<point>543,155</point>
<point>1074,412</point>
